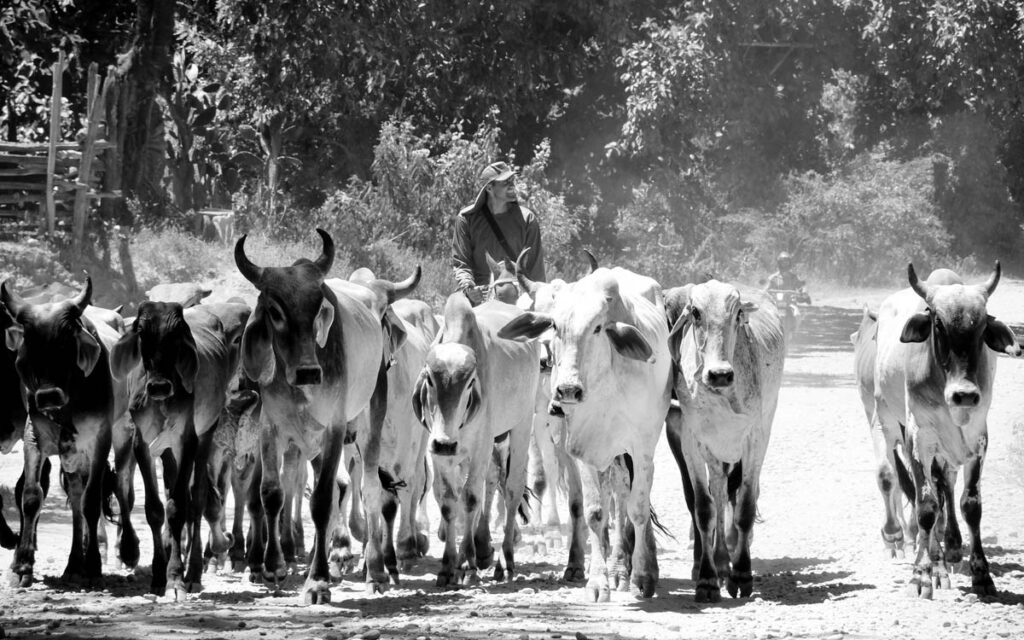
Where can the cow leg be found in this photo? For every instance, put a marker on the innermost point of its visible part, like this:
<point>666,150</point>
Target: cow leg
<point>317,590</point>
<point>673,433</point>
<point>446,479</point>
<point>574,570</point>
<point>240,480</point>
<point>617,479</point>
<point>31,500</point>
<point>341,559</point>
<point>644,574</point>
<point>411,496</point>
<point>705,515</point>
<point>514,487</point>
<point>389,510</point>
<point>198,493</point>
<point>179,507</point>
<point>952,539</point>
<point>927,503</point>
<point>293,459</point>
<point>495,477</point>
<point>257,542</point>
<point>372,425</point>
<point>298,535</point>
<point>124,437</point>
<point>597,507</point>
<point>75,486</point>
<point>154,515</point>
<point>218,467</point>
<point>970,507</point>
<point>272,496</point>
<point>883,438</point>
<point>474,493</point>
<point>741,580</point>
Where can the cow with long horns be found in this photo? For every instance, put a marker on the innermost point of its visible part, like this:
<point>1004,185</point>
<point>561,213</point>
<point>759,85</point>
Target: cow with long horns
<point>934,372</point>
<point>62,359</point>
<point>317,352</point>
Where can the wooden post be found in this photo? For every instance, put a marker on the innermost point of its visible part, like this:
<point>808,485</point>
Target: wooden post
<point>51,158</point>
<point>88,152</point>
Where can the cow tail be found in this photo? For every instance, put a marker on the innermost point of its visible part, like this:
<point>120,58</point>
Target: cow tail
<point>524,504</point>
<point>906,482</point>
<point>660,528</point>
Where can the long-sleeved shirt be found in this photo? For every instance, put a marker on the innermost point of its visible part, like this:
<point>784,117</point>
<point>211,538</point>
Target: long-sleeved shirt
<point>474,238</point>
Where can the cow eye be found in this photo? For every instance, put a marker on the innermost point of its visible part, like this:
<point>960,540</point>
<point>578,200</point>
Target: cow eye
<point>275,315</point>
<point>696,315</point>
<point>597,329</point>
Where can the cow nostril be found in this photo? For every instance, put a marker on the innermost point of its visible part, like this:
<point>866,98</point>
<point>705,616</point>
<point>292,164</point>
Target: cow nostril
<point>443,448</point>
<point>159,389</point>
<point>966,398</point>
<point>308,375</point>
<point>720,377</point>
<point>52,398</point>
<point>569,393</point>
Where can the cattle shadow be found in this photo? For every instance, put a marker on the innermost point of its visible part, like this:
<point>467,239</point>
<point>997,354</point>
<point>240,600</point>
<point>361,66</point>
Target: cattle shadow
<point>818,380</point>
<point>784,581</point>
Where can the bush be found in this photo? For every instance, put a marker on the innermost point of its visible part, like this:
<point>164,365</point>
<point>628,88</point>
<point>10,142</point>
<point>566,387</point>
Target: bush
<point>863,223</point>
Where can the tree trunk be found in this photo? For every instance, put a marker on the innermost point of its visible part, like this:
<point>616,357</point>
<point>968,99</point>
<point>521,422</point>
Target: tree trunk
<point>146,70</point>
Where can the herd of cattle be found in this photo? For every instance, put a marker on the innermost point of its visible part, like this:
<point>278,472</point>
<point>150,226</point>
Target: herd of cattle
<point>385,399</point>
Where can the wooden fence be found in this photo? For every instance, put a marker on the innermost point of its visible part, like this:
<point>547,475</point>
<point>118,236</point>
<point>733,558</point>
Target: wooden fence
<point>43,183</point>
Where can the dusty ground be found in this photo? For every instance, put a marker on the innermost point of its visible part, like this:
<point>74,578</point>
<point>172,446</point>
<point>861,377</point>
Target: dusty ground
<point>818,560</point>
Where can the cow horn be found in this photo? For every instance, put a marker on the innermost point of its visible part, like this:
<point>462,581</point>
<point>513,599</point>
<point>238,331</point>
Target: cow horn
<point>529,286</point>
<point>592,260</point>
<point>399,290</point>
<point>990,285</point>
<point>922,289</point>
<point>251,272</point>
<point>84,299</point>
<point>10,299</point>
<point>326,259</point>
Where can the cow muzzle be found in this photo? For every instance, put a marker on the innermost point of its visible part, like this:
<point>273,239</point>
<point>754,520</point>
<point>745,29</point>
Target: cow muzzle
<point>308,375</point>
<point>720,377</point>
<point>50,398</point>
<point>963,396</point>
<point>443,447</point>
<point>569,393</point>
<point>159,388</point>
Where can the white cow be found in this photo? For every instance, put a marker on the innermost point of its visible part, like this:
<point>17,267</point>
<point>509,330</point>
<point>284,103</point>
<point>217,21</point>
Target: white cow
<point>470,394</point>
<point>611,379</point>
<point>933,381</point>
<point>730,355</point>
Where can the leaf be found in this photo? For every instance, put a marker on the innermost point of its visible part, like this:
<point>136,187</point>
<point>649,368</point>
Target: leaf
<point>213,87</point>
<point>192,72</point>
<point>204,118</point>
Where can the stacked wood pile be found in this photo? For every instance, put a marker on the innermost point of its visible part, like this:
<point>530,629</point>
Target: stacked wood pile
<point>43,183</point>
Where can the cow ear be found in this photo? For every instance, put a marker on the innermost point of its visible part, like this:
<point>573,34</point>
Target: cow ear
<point>396,329</point>
<point>681,324</point>
<point>629,342</point>
<point>748,308</point>
<point>917,329</point>
<point>474,400</point>
<point>88,351</point>
<point>1000,338</point>
<point>419,397</point>
<point>323,321</point>
<point>257,349</point>
<point>526,326</point>
<point>15,336</point>
<point>125,355</point>
<point>187,363</point>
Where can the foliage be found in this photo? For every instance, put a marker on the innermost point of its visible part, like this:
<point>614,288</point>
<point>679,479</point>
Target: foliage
<point>862,224</point>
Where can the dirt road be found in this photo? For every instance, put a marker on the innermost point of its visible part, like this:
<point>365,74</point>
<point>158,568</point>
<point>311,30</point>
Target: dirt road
<point>818,562</point>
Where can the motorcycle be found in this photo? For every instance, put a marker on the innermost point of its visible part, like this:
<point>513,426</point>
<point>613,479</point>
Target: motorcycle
<point>789,302</point>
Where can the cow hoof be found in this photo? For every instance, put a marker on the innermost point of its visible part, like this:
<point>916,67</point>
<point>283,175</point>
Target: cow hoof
<point>22,581</point>
<point>574,574</point>
<point>484,560</point>
<point>238,566</point>
<point>942,582</point>
<point>470,579</point>
<point>499,573</point>
<point>540,549</point>
<point>899,554</point>
<point>597,593</point>
<point>316,592</point>
<point>394,578</point>
<point>422,544</point>
<point>708,593</point>
<point>256,576</point>
<point>373,588</point>
<point>292,568</point>
<point>644,588</point>
<point>953,555</point>
<point>740,585</point>
<point>920,587</point>
<point>444,580</point>
<point>983,586</point>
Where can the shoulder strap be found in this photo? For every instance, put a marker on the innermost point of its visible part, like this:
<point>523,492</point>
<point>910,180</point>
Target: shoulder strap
<point>489,217</point>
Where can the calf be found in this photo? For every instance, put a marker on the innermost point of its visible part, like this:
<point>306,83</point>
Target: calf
<point>178,364</point>
<point>475,389</point>
<point>611,380</point>
<point>730,355</point>
<point>933,376</point>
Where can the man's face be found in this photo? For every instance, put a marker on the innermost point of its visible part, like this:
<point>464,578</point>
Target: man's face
<point>503,190</point>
